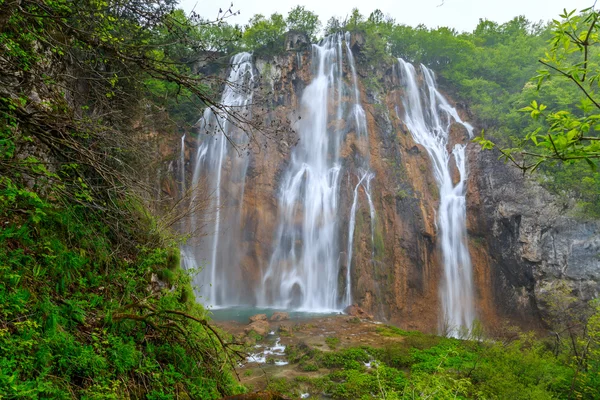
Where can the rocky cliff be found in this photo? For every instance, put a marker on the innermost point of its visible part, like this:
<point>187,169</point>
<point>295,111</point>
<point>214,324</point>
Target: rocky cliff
<point>520,239</point>
<point>533,242</point>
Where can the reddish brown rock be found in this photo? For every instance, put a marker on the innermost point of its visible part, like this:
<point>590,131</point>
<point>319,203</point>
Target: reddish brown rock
<point>279,316</point>
<point>355,311</point>
<point>260,327</point>
<point>258,317</point>
<point>257,396</point>
<point>396,262</point>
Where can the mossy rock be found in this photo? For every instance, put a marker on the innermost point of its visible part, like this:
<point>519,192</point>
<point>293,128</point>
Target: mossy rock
<point>173,259</point>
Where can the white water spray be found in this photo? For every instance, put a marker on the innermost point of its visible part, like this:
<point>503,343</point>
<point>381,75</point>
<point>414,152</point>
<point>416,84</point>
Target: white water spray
<point>182,166</point>
<point>365,177</point>
<point>224,168</point>
<point>304,269</point>
<point>429,117</point>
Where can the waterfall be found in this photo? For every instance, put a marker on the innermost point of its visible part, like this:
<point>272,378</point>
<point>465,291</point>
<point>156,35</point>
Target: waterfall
<point>366,175</point>
<point>304,269</point>
<point>429,117</point>
<point>224,169</point>
<point>358,111</point>
<point>182,166</point>
<point>371,209</point>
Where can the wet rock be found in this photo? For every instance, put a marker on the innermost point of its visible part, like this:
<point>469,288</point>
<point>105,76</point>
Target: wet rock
<point>258,317</point>
<point>355,311</point>
<point>259,327</point>
<point>295,40</point>
<point>285,329</point>
<point>257,396</point>
<point>414,150</point>
<point>532,237</point>
<point>279,316</point>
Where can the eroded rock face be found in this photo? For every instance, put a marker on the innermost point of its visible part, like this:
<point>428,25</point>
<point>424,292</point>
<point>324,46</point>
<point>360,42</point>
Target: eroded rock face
<point>533,242</point>
<point>355,311</point>
<point>520,239</point>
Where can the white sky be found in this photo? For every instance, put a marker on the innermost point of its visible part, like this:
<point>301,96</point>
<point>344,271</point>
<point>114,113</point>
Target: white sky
<point>462,15</point>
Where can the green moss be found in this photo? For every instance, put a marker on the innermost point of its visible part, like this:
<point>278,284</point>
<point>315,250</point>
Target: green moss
<point>332,342</point>
<point>378,241</point>
<point>390,331</point>
<point>167,276</point>
<point>308,366</point>
<point>402,194</point>
<point>173,259</point>
<point>254,336</point>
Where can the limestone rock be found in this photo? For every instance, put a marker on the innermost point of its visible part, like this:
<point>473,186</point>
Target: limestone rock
<point>260,327</point>
<point>258,317</point>
<point>355,311</point>
<point>285,328</point>
<point>295,40</point>
<point>279,316</point>
<point>531,237</point>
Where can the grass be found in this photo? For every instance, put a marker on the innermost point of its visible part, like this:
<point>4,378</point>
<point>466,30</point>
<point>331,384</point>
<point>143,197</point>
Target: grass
<point>429,366</point>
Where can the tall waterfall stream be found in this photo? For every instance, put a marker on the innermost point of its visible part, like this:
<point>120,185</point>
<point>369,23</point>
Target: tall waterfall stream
<point>429,117</point>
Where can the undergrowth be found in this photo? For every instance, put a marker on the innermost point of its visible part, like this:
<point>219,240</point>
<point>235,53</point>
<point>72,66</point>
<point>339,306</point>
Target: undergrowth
<point>81,319</point>
<point>418,366</point>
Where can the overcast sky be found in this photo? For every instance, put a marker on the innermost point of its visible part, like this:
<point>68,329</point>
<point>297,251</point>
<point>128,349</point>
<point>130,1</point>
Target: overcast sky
<point>462,15</point>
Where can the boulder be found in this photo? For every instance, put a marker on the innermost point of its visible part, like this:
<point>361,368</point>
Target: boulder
<point>257,396</point>
<point>285,329</point>
<point>355,311</point>
<point>279,316</point>
<point>258,317</point>
<point>260,327</point>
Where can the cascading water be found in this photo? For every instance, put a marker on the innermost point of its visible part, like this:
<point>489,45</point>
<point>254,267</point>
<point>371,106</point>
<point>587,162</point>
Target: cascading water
<point>224,169</point>
<point>182,166</point>
<point>365,176</point>
<point>429,117</point>
<point>304,269</point>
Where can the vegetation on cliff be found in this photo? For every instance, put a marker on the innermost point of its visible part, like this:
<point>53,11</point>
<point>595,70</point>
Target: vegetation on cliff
<point>93,303</point>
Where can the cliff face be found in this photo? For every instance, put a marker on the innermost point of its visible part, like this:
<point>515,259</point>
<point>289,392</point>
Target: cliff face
<point>520,242</point>
<point>533,245</point>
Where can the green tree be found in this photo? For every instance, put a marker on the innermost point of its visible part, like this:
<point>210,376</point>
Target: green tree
<point>305,21</point>
<point>565,135</point>
<point>265,36</point>
<point>333,25</point>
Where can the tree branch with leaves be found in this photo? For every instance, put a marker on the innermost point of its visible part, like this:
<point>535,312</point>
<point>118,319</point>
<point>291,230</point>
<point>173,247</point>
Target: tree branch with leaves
<point>564,135</point>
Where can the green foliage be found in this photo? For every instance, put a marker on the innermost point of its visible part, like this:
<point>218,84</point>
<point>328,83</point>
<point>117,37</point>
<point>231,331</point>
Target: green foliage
<point>332,342</point>
<point>265,36</point>
<point>301,20</point>
<point>427,366</point>
<point>92,301</point>
<point>561,131</point>
<point>390,331</point>
<point>73,315</point>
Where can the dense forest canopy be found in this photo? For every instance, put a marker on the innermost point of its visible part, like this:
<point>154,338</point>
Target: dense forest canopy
<point>85,84</point>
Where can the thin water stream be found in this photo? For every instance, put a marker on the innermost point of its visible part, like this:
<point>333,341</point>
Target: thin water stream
<point>429,118</point>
